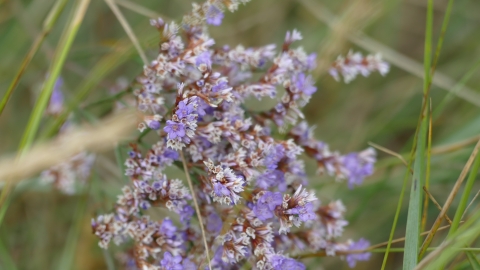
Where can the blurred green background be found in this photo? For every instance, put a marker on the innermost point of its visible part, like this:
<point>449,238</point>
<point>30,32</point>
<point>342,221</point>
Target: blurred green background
<point>40,225</point>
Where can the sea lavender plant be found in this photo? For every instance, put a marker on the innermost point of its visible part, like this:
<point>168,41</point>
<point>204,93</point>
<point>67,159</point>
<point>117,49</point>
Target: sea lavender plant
<point>250,184</point>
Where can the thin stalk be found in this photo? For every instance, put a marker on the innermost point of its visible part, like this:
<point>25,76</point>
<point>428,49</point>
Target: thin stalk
<point>412,236</point>
<point>113,6</point>
<point>197,209</point>
<point>68,254</point>
<point>47,27</point>
<point>464,200</point>
<point>450,199</point>
<point>427,176</point>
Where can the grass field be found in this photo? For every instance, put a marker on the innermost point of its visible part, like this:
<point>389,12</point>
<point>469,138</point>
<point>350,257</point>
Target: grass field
<point>41,228</point>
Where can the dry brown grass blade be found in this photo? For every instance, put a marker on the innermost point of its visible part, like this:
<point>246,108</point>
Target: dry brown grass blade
<point>96,138</point>
<point>436,204</point>
<point>397,59</point>
<point>451,197</point>
<point>454,146</point>
<point>390,152</point>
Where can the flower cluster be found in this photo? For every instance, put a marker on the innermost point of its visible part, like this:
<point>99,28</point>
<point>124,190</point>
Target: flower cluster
<point>353,166</point>
<point>68,175</point>
<point>249,183</point>
<point>355,63</point>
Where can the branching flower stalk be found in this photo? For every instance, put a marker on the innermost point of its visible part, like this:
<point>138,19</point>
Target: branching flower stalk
<point>248,185</point>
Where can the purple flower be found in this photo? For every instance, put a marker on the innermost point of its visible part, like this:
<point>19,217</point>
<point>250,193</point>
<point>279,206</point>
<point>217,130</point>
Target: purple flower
<point>204,58</point>
<point>167,228</point>
<point>214,223</point>
<point>280,262</point>
<point>312,61</point>
<point>356,168</point>
<point>170,154</point>
<point>170,262</point>
<point>221,85</point>
<point>274,156</point>
<point>184,110</point>
<point>262,211</point>
<point>306,212</point>
<point>186,213</point>
<point>270,179</point>
<point>221,190</point>
<point>55,105</point>
<point>188,265</point>
<point>154,124</point>
<point>214,16</point>
<point>304,84</point>
<point>266,205</point>
<point>360,245</point>
<point>174,129</point>
<point>271,199</point>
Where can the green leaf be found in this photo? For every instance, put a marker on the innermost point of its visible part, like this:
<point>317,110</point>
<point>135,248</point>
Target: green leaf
<point>473,260</point>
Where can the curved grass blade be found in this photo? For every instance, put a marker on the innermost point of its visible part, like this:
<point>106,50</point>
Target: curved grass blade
<point>47,27</point>
<point>63,48</point>
<point>412,234</point>
<point>68,254</point>
<point>464,236</point>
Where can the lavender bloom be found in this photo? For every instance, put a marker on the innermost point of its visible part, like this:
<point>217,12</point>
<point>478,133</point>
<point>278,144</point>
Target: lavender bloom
<point>353,258</point>
<point>248,182</point>
<point>280,262</point>
<point>204,61</point>
<point>274,156</point>
<point>214,15</point>
<point>214,223</point>
<point>184,110</point>
<point>170,262</point>
<point>186,214</point>
<point>154,125</point>
<point>265,207</point>
<point>304,84</point>
<point>354,64</point>
<point>271,199</point>
<point>55,105</point>
<point>269,179</point>
<point>358,166</point>
<point>174,129</point>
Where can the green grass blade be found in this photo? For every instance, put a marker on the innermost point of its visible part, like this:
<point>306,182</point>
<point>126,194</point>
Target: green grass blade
<point>464,199</point>
<point>449,96</point>
<point>122,52</point>
<point>120,162</point>
<point>473,260</point>
<point>464,236</point>
<point>412,235</point>
<point>6,261</point>
<point>63,48</point>
<point>47,27</point>
<point>399,206</point>
<point>427,174</point>
<point>68,254</point>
